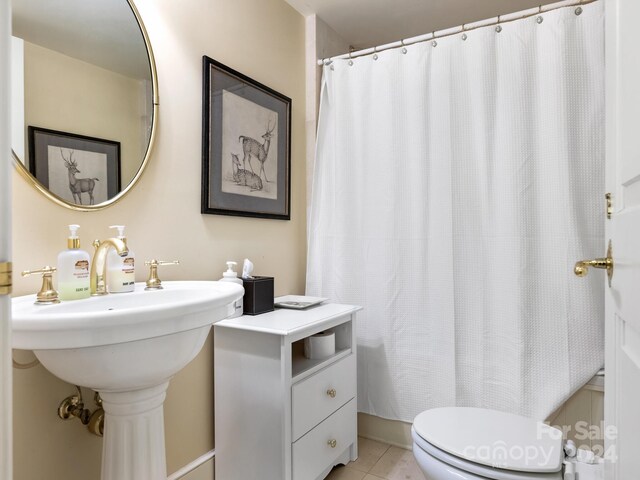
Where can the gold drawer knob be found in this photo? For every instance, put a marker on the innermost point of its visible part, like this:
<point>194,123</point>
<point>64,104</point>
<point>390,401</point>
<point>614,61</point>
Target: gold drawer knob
<point>332,392</point>
<point>332,443</point>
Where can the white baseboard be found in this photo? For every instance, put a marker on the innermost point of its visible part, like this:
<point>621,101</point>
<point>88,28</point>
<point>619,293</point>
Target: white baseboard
<point>190,467</point>
<point>391,432</point>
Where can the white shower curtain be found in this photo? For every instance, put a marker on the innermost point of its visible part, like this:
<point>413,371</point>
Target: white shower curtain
<point>455,186</point>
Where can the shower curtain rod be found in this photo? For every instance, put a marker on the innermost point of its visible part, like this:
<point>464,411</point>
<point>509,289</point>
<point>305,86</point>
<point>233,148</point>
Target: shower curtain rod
<point>461,29</point>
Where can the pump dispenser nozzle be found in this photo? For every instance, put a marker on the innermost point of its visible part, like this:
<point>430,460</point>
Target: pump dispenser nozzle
<point>73,242</point>
<point>120,231</point>
<point>230,271</point>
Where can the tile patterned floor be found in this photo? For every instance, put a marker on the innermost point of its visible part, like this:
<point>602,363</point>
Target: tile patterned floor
<point>379,461</point>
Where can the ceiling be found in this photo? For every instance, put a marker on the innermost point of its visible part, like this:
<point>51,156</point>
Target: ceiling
<point>101,32</point>
<point>367,23</point>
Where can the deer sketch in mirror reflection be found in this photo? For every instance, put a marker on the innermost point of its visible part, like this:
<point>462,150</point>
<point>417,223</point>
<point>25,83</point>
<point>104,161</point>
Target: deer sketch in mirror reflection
<point>253,148</point>
<point>78,185</point>
<point>244,177</point>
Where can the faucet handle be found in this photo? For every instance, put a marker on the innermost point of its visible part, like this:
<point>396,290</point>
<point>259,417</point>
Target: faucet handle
<point>47,294</point>
<point>154,282</point>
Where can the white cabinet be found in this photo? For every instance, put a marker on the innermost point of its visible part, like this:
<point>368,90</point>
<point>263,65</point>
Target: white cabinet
<point>279,415</point>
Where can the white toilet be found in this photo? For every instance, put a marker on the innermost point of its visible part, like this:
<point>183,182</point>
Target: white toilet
<point>460,443</point>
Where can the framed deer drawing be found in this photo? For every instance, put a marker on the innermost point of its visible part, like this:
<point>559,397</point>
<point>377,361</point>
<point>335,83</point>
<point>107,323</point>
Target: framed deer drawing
<point>246,146</point>
<point>82,170</point>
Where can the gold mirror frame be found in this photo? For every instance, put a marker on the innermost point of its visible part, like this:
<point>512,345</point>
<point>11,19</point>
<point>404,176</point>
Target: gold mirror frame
<point>154,125</point>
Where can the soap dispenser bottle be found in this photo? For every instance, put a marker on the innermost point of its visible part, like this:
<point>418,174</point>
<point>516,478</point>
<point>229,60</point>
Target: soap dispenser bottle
<point>73,269</point>
<point>121,274</point>
<point>232,276</point>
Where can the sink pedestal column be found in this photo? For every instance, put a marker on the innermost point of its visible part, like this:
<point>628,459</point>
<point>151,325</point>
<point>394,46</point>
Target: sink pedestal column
<point>133,446</point>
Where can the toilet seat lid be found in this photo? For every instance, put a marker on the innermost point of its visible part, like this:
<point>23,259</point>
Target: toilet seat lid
<point>492,438</point>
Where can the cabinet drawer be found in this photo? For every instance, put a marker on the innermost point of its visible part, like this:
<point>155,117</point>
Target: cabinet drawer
<point>317,397</point>
<point>314,453</point>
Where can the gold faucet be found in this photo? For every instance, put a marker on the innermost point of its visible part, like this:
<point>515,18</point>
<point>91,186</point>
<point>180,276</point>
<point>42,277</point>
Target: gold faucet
<point>98,270</point>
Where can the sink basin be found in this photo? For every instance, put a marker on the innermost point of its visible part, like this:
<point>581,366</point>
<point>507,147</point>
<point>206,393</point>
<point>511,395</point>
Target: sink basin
<point>126,346</point>
<point>121,317</point>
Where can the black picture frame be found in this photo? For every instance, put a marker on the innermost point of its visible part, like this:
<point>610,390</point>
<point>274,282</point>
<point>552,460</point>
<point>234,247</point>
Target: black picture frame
<point>246,138</point>
<point>54,155</point>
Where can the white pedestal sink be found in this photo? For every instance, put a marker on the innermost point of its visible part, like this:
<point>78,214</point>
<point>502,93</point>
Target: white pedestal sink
<point>126,346</point>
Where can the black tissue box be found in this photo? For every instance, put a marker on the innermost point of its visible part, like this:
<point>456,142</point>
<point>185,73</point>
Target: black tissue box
<point>258,295</point>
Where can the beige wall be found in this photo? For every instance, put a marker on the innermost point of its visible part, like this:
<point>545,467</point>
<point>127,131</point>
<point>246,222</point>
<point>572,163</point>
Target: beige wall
<point>203,472</point>
<point>321,42</point>
<point>586,405</point>
<point>263,39</point>
<point>66,94</point>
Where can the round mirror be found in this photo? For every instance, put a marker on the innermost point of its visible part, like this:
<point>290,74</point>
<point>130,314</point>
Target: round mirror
<point>84,98</point>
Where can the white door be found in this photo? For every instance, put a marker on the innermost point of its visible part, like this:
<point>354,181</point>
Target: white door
<point>5,252</point>
<point>622,304</point>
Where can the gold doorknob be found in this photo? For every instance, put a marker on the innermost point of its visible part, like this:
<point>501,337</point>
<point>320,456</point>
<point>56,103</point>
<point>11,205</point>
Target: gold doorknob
<point>582,267</point>
<point>332,392</point>
<point>332,443</point>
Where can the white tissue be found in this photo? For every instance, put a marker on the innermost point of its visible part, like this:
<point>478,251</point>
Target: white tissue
<point>247,268</point>
<point>320,345</point>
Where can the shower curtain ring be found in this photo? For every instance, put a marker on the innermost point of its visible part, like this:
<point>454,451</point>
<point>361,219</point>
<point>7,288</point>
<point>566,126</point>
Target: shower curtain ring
<point>498,27</point>
<point>404,48</point>
<point>434,43</point>
<point>375,55</point>
<point>350,58</point>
